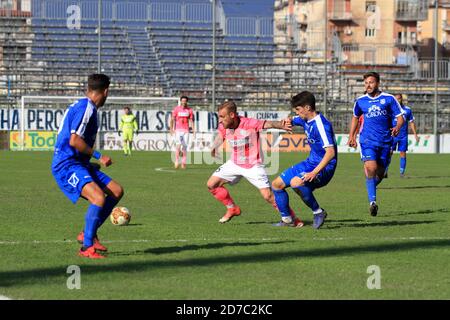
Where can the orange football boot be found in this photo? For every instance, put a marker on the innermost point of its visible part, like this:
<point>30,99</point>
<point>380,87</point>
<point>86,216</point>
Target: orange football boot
<point>90,253</point>
<point>231,212</point>
<point>97,245</point>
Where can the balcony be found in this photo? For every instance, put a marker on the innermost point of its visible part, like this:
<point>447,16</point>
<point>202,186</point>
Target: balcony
<point>404,42</point>
<point>411,10</point>
<point>446,26</point>
<point>341,16</point>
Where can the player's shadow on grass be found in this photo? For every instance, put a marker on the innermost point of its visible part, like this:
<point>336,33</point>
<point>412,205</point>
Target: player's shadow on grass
<point>91,268</point>
<point>377,224</point>
<point>415,187</point>
<point>195,247</point>
<point>428,211</point>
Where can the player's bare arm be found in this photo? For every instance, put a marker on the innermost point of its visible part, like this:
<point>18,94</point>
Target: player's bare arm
<point>191,124</point>
<point>283,125</point>
<point>171,125</point>
<point>414,130</point>
<point>400,122</point>
<point>218,141</point>
<point>78,143</point>
<point>352,135</point>
<point>329,155</point>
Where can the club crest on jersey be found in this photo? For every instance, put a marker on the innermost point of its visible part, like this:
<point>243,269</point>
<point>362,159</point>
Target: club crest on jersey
<point>383,101</point>
<point>73,180</point>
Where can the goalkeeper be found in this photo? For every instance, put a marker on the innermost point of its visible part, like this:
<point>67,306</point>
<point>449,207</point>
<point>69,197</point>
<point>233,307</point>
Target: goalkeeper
<point>128,125</point>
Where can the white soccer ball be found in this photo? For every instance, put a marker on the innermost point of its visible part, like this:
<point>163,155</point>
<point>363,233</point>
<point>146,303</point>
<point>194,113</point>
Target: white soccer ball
<point>120,216</point>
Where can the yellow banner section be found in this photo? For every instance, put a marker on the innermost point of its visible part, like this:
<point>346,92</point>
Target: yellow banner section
<point>34,140</point>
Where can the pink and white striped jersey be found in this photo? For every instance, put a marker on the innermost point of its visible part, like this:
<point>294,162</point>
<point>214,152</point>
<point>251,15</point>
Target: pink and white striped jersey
<point>244,142</point>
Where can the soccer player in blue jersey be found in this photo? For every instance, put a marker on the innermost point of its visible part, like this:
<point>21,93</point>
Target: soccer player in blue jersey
<point>317,170</point>
<point>73,172</point>
<point>400,142</point>
<point>378,110</point>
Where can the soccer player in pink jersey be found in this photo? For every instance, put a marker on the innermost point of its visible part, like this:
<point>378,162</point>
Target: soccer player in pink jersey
<point>243,136</point>
<point>182,118</point>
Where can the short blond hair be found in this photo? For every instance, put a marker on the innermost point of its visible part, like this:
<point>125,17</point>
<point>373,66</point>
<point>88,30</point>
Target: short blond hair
<point>229,105</point>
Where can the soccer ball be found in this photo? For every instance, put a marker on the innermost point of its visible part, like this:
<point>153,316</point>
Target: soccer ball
<point>120,216</point>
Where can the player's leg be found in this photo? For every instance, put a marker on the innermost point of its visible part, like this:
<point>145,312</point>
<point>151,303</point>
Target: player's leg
<point>177,149</point>
<point>403,148</point>
<point>125,144</point>
<point>114,193</point>
<point>223,175</point>
<point>94,194</point>
<point>305,191</point>
<point>130,142</point>
<point>184,148</point>
<point>128,136</point>
<point>281,204</point>
<point>393,148</point>
<point>369,156</point>
<point>402,163</point>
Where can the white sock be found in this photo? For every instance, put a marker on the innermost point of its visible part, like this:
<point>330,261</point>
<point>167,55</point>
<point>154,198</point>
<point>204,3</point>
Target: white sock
<point>286,219</point>
<point>320,210</point>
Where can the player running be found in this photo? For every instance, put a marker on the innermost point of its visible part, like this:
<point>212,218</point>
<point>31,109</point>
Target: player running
<point>317,170</point>
<point>128,125</point>
<point>400,142</point>
<point>182,119</point>
<point>243,136</point>
<point>379,109</point>
<point>73,173</point>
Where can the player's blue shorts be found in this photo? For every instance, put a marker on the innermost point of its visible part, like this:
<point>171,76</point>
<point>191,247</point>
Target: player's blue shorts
<point>382,155</point>
<point>74,176</point>
<point>301,168</point>
<point>400,144</point>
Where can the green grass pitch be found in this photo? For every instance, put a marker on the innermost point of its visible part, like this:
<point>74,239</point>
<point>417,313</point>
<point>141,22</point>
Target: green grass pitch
<point>175,248</point>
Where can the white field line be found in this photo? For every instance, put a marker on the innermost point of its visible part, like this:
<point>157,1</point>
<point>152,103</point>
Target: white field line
<point>33,242</point>
<point>165,170</point>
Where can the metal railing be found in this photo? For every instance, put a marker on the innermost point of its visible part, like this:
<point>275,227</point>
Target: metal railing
<point>411,10</point>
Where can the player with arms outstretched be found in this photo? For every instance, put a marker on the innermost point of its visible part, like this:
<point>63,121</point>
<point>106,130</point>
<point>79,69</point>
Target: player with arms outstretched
<point>182,119</point>
<point>73,172</point>
<point>317,170</point>
<point>379,109</point>
<point>243,136</point>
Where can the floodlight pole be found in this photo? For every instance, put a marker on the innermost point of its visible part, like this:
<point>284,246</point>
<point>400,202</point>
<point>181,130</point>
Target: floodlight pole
<point>99,29</point>
<point>213,89</point>
<point>436,75</point>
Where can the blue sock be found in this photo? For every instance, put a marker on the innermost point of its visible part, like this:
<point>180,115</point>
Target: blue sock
<point>371,189</point>
<point>308,198</point>
<point>92,219</point>
<point>402,165</point>
<point>377,181</point>
<point>110,203</point>
<point>282,200</point>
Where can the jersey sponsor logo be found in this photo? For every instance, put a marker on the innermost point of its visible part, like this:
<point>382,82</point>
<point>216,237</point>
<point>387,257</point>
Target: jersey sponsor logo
<point>183,114</point>
<point>73,180</point>
<point>239,142</point>
<point>375,111</point>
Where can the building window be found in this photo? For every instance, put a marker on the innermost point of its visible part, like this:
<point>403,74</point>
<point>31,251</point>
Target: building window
<point>371,6</point>
<point>370,32</point>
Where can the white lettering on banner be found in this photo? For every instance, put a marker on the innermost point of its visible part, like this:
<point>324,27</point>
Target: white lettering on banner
<point>157,142</point>
<point>425,144</point>
<point>148,120</point>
